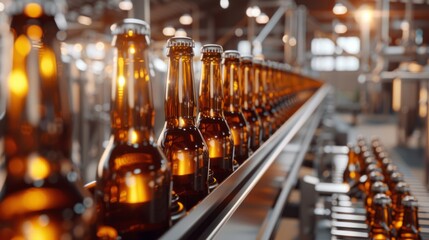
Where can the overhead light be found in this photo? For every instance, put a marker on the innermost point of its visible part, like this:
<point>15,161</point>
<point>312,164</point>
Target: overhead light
<point>285,38</point>
<point>84,20</point>
<point>180,33</point>
<point>292,41</point>
<point>339,9</point>
<point>340,28</point>
<point>262,18</point>
<point>125,5</point>
<point>253,11</point>
<point>238,32</point>
<point>224,4</point>
<point>364,15</point>
<point>168,31</point>
<point>2,6</point>
<point>185,19</point>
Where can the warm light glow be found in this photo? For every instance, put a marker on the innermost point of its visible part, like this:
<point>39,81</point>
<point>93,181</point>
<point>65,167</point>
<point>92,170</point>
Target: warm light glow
<point>224,4</point>
<point>77,47</point>
<point>236,136</point>
<point>262,18</point>
<point>133,136</point>
<point>137,187</point>
<point>339,9</point>
<point>215,147</point>
<point>168,31</point>
<point>121,81</point>
<point>340,28</point>
<point>84,20</point>
<point>396,94</point>
<point>183,163</point>
<point>99,46</point>
<point>132,49</point>
<point>185,19</point>
<point>180,33</point>
<point>365,15</point>
<point>38,167</point>
<point>423,98</point>
<point>33,10</point>
<point>1,6</point>
<point>238,32</point>
<point>125,5</point>
<point>34,32</point>
<point>48,67</point>
<point>285,38</point>
<point>18,82</point>
<point>106,232</point>
<point>292,41</point>
<point>38,228</point>
<point>253,11</point>
<point>22,45</point>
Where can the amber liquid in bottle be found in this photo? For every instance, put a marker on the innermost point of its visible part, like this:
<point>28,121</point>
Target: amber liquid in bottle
<point>211,121</point>
<point>401,190</point>
<point>41,196</point>
<point>352,171</point>
<point>270,95</point>
<point>232,105</point>
<point>180,139</point>
<point>248,107</point>
<point>133,178</point>
<point>410,229</point>
<point>380,227</point>
<point>260,99</point>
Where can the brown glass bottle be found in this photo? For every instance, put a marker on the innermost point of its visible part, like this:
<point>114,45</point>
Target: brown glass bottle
<point>260,99</point>
<point>377,187</point>
<point>373,177</point>
<point>352,171</point>
<point>134,178</point>
<point>41,194</point>
<point>211,121</point>
<point>402,189</point>
<point>249,111</point>
<point>180,139</point>
<point>380,227</point>
<point>410,229</point>
<point>232,105</point>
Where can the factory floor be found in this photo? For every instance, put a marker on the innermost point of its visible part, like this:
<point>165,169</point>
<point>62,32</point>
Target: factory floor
<point>384,127</point>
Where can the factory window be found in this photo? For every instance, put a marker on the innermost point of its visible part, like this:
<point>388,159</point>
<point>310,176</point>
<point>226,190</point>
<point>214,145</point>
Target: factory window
<point>335,56</point>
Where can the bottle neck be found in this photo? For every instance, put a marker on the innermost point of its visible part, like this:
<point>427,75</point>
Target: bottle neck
<point>246,77</point>
<point>231,86</point>
<point>38,133</point>
<point>132,111</point>
<point>179,97</point>
<point>382,217</point>
<point>210,100</point>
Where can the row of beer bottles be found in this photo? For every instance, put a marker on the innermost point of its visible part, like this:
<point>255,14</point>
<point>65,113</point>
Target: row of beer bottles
<point>41,195</point>
<point>392,212</point>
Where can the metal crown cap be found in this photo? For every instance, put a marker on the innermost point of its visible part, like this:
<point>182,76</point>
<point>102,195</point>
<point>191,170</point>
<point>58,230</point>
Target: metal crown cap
<point>180,41</point>
<point>130,24</point>
<point>211,48</point>
<point>376,176</point>
<point>231,54</point>
<point>397,177</point>
<point>258,60</point>
<point>410,201</point>
<point>382,199</point>
<point>246,58</point>
<point>402,187</point>
<point>379,187</point>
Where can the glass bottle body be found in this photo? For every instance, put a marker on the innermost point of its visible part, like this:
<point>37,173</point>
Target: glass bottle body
<point>41,196</point>
<point>180,139</point>
<point>260,99</point>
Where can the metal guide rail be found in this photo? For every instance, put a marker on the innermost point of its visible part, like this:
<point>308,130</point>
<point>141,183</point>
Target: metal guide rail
<point>210,215</point>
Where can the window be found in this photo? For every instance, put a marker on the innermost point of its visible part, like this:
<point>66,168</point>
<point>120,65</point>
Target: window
<point>330,56</point>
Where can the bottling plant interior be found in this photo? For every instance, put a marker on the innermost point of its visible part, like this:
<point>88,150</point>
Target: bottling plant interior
<point>214,119</point>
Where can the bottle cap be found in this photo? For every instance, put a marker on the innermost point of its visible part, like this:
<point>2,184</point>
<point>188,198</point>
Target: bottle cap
<point>246,58</point>
<point>369,160</point>
<point>376,176</point>
<point>180,41</point>
<point>258,60</point>
<point>379,187</point>
<point>396,177</point>
<point>402,187</point>
<point>410,201</point>
<point>231,54</point>
<point>382,199</point>
<point>391,168</point>
<point>373,167</point>
<point>137,26</point>
<point>211,48</point>
<point>386,161</point>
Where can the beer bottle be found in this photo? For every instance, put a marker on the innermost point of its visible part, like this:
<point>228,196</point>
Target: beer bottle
<point>249,111</point>
<point>352,172</point>
<point>232,105</point>
<point>373,177</point>
<point>134,178</point>
<point>260,99</point>
<point>180,139</point>
<point>394,179</point>
<point>41,194</point>
<point>410,229</point>
<point>211,120</point>
<point>270,92</point>
<point>377,187</point>
<point>402,189</point>
<point>381,224</point>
